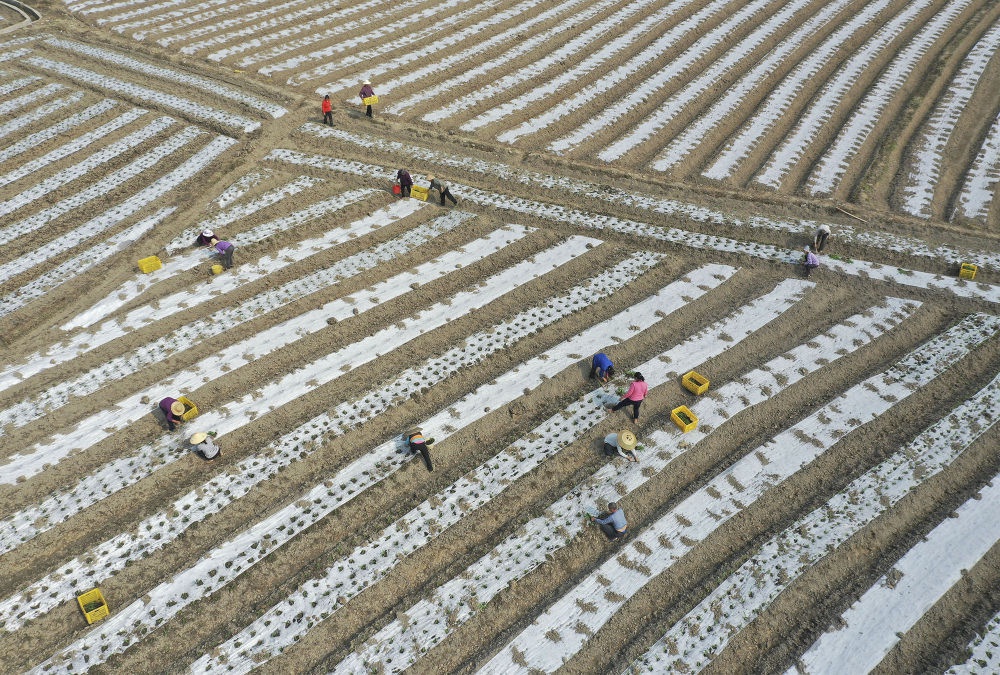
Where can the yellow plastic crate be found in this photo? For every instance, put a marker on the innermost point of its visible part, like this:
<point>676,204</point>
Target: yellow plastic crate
<point>684,418</point>
<point>93,605</point>
<point>418,192</point>
<point>150,264</point>
<point>695,383</point>
<point>371,100</point>
<point>968,271</point>
<point>192,409</point>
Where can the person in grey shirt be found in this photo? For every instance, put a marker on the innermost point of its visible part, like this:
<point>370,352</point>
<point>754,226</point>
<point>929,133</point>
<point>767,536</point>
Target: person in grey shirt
<point>613,523</point>
<point>205,445</point>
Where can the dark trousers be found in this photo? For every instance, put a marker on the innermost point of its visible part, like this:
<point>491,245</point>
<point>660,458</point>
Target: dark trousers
<point>610,532</point>
<point>404,190</point>
<point>810,268</point>
<point>627,401</point>
<point>227,257</point>
<point>447,193</point>
<point>424,452</point>
<point>821,241</point>
<point>328,118</point>
<point>368,110</point>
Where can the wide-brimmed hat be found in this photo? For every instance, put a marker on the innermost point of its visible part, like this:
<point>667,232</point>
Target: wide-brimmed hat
<point>207,233</point>
<point>198,437</point>
<point>430,177</point>
<point>177,408</point>
<point>626,440</point>
<point>366,82</point>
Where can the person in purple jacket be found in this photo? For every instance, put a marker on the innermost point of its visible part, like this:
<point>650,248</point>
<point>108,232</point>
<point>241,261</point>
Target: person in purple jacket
<point>811,261</point>
<point>205,238</point>
<point>225,251</point>
<point>366,91</point>
<point>172,410</point>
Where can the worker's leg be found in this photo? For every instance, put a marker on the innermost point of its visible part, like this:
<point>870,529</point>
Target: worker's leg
<point>227,257</point>
<point>447,193</point>
<point>635,410</point>
<point>593,370</point>
<point>610,532</point>
<point>427,456</point>
<point>368,111</point>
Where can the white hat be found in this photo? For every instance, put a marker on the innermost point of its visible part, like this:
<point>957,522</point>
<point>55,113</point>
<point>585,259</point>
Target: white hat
<point>198,438</point>
<point>177,408</point>
<point>366,82</point>
<point>207,233</point>
<point>626,440</point>
<point>806,249</point>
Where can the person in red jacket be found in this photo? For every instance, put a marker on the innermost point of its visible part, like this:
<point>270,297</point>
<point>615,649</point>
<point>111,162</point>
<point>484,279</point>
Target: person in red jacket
<point>366,91</point>
<point>634,396</point>
<point>327,111</point>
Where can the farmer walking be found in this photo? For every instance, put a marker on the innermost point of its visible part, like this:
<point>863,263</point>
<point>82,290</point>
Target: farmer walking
<point>612,523</point>
<point>366,92</point>
<point>327,110</point>
<point>225,251</point>
<point>601,367</point>
<point>172,410</point>
<point>633,397</point>
<point>442,189</point>
<point>405,182</point>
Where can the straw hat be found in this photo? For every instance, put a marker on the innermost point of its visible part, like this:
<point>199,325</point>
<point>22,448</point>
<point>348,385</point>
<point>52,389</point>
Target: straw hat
<point>626,440</point>
<point>430,177</point>
<point>207,233</point>
<point>198,438</point>
<point>177,408</point>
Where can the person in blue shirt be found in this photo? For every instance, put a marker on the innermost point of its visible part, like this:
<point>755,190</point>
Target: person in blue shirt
<point>612,524</point>
<point>602,367</point>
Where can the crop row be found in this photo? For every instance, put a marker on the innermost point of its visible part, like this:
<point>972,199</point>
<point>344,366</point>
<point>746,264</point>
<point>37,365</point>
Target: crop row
<point>428,622</point>
<point>558,633</point>
<point>739,599</point>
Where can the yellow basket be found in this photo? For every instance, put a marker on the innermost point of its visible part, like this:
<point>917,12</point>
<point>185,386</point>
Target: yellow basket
<point>968,271</point>
<point>218,269</point>
<point>371,100</point>
<point>93,605</point>
<point>684,418</point>
<point>150,264</point>
<point>695,383</point>
<point>418,192</point>
<point>192,409</point>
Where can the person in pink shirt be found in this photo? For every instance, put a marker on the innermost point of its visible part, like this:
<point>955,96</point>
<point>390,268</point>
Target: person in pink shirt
<point>634,396</point>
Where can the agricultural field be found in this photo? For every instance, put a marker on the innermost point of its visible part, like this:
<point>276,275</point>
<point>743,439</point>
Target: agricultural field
<point>634,177</point>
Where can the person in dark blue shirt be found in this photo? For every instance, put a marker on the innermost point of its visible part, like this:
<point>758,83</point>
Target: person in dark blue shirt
<point>602,367</point>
